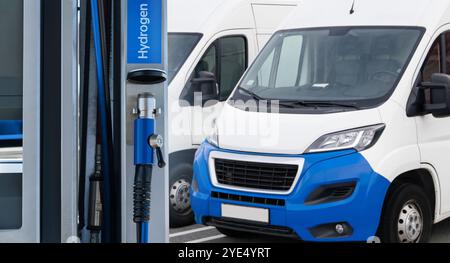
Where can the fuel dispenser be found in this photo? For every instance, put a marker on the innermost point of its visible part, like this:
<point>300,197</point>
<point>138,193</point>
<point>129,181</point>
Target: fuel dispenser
<point>144,111</point>
<point>123,122</point>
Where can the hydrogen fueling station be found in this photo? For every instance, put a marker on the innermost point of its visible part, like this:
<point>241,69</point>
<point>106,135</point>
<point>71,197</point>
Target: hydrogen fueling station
<point>85,134</point>
<point>85,143</point>
<point>85,83</point>
<point>224,121</point>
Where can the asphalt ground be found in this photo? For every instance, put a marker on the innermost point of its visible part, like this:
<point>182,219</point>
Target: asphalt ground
<point>207,234</point>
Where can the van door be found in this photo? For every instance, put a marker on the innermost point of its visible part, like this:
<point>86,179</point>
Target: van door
<point>227,57</point>
<point>434,133</point>
<point>19,132</point>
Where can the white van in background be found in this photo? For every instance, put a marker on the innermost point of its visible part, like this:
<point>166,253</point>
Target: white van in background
<point>359,144</point>
<point>209,40</point>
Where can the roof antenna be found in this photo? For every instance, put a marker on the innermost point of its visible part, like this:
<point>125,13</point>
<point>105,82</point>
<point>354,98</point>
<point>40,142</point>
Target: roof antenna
<point>352,10</point>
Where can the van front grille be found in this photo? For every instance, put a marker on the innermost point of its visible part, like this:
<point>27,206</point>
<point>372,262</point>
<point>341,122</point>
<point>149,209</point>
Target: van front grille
<point>263,176</point>
<point>248,199</point>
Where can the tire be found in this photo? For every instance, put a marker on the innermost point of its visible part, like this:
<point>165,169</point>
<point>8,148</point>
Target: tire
<point>180,210</point>
<point>407,216</point>
<point>235,233</point>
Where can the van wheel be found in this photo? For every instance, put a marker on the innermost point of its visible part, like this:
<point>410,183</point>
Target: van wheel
<point>180,210</point>
<point>234,233</point>
<point>407,216</point>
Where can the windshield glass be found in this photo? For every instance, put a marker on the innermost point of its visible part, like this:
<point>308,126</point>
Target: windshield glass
<point>357,65</point>
<point>180,47</point>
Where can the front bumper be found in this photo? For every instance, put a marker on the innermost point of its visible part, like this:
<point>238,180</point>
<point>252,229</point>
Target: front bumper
<point>361,211</point>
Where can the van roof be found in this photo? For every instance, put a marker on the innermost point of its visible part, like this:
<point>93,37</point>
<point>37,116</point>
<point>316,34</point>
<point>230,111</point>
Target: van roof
<point>331,13</point>
<point>198,16</point>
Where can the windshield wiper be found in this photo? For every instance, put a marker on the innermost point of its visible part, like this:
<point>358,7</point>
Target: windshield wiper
<point>296,103</point>
<point>332,104</point>
<point>292,104</point>
<point>251,94</point>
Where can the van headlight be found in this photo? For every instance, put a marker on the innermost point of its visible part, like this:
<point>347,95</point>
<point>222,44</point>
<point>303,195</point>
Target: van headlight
<point>213,138</point>
<point>359,139</point>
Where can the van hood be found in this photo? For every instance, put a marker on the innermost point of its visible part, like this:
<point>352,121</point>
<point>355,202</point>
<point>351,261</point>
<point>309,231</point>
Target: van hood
<point>284,133</point>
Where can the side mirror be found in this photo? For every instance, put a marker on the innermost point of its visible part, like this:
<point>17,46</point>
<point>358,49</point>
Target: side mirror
<point>207,85</point>
<point>436,95</point>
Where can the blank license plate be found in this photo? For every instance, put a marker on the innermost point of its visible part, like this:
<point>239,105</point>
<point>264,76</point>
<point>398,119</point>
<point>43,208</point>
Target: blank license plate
<point>246,213</point>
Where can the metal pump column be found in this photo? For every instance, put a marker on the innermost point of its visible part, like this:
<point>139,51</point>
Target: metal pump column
<point>144,115</point>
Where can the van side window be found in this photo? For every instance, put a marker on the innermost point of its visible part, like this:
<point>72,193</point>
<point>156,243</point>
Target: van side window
<point>208,62</point>
<point>447,52</point>
<point>233,62</point>
<point>432,63</point>
<point>226,58</point>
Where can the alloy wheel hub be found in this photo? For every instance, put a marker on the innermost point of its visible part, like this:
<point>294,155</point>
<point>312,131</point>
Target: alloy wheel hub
<point>410,223</point>
<point>180,198</point>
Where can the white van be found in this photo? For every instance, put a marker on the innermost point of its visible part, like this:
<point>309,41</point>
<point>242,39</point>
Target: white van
<point>359,143</point>
<point>219,38</point>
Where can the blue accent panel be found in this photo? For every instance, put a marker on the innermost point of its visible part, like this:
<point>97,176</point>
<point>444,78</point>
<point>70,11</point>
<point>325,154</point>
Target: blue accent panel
<point>144,31</point>
<point>11,130</point>
<point>362,210</point>
<point>143,153</point>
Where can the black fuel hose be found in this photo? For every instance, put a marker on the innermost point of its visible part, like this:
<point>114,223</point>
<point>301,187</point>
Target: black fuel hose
<point>142,193</point>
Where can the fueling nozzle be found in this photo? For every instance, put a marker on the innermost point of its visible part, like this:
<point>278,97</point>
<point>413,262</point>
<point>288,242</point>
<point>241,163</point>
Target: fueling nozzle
<point>147,143</point>
<point>95,217</point>
<point>146,106</point>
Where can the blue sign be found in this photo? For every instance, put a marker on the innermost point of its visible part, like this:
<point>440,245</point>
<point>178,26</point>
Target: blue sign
<point>144,32</point>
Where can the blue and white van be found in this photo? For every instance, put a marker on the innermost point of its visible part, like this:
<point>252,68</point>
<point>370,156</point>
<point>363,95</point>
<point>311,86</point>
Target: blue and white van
<point>221,38</point>
<point>340,129</point>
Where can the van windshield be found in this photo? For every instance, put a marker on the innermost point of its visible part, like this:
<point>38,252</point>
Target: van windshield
<point>331,67</point>
<point>180,47</point>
